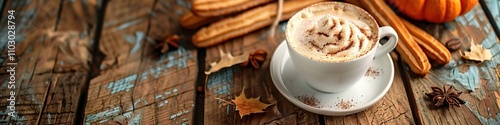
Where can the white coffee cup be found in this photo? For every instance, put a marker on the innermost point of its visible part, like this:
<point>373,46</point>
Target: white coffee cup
<point>335,77</point>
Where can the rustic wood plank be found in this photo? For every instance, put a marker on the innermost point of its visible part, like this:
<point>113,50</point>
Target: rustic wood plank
<point>482,106</point>
<point>124,33</point>
<point>33,19</point>
<point>229,82</point>
<point>62,98</point>
<point>78,15</point>
<point>393,108</point>
<point>146,87</point>
<point>119,36</point>
<point>57,93</point>
<point>178,107</point>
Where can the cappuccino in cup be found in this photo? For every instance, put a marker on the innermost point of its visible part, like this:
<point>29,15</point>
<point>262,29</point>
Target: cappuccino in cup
<point>332,44</point>
<point>331,35</point>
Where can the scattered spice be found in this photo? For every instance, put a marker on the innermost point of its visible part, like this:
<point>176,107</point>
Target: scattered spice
<point>373,72</point>
<point>309,100</point>
<point>256,59</point>
<point>454,44</point>
<point>445,96</point>
<point>169,41</point>
<point>343,104</point>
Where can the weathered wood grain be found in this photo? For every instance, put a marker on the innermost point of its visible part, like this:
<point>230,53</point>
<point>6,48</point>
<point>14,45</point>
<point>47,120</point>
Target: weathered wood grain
<point>142,85</point>
<point>61,99</point>
<point>481,78</point>
<point>393,108</point>
<point>229,82</point>
<point>78,15</point>
<point>33,18</point>
<point>124,33</point>
<point>52,91</point>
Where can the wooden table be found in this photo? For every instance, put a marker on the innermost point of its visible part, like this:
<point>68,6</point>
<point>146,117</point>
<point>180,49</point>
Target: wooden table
<point>123,79</point>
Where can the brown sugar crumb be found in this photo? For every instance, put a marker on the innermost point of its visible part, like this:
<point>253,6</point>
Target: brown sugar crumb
<point>373,72</point>
<point>309,100</point>
<point>343,104</point>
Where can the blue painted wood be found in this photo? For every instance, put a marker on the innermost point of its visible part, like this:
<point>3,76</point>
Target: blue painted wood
<point>147,86</point>
<point>492,11</point>
<point>494,7</point>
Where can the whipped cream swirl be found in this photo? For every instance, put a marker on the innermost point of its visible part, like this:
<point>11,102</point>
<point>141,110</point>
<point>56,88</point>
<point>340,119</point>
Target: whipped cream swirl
<point>337,37</point>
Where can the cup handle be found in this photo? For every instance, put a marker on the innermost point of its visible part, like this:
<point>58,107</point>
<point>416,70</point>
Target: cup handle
<point>391,43</point>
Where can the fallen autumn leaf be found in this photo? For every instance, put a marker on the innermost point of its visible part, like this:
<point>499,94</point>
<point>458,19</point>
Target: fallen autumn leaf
<point>477,53</point>
<point>227,60</point>
<point>245,105</point>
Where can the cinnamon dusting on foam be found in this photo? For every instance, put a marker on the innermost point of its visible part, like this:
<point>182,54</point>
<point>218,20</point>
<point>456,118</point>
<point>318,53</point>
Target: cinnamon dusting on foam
<point>330,35</point>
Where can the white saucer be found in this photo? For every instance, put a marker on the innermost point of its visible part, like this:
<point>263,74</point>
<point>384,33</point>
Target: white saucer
<point>369,90</point>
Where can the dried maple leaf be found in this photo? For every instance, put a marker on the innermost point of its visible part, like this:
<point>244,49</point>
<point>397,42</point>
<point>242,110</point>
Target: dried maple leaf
<point>227,60</point>
<point>477,53</point>
<point>245,105</point>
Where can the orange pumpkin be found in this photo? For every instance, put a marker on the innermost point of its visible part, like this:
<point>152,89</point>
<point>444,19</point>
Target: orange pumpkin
<point>437,11</point>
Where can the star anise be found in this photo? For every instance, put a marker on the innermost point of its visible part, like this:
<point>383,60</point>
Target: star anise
<point>167,42</point>
<point>255,59</point>
<point>445,96</point>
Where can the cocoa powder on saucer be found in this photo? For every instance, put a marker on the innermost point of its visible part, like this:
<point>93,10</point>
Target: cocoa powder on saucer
<point>373,72</point>
<point>343,104</point>
<point>309,100</point>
